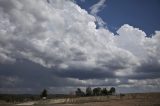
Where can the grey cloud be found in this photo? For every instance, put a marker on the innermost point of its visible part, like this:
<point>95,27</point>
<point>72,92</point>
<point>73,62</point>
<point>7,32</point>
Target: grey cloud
<point>146,71</point>
<point>25,74</point>
<point>86,73</point>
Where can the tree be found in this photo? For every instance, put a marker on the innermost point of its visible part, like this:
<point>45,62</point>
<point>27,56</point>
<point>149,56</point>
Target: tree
<point>79,92</point>
<point>97,91</point>
<point>88,91</point>
<point>112,90</point>
<point>104,91</point>
<point>44,93</point>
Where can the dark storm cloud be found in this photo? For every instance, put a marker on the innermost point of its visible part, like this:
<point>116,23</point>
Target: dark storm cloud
<point>85,73</point>
<point>149,70</point>
<point>29,74</point>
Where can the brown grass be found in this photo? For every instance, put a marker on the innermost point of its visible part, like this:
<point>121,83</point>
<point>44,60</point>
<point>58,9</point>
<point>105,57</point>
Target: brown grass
<point>138,99</point>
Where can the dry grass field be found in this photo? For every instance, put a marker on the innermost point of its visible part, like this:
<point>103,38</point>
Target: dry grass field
<point>144,99</point>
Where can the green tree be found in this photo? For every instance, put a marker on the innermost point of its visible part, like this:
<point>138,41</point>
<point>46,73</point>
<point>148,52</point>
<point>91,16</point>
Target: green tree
<point>79,92</point>
<point>97,91</point>
<point>112,90</point>
<point>104,91</point>
<point>88,91</point>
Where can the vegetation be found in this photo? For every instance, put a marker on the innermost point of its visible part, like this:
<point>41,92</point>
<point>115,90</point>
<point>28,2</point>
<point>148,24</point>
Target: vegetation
<point>79,92</point>
<point>88,91</point>
<point>18,98</point>
<point>44,93</point>
<point>14,98</point>
<point>95,92</point>
<point>112,91</point>
<point>104,91</point>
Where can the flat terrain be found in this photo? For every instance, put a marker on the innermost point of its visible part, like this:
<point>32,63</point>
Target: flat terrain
<point>147,99</point>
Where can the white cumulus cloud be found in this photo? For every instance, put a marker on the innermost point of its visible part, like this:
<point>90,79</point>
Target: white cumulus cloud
<point>62,36</point>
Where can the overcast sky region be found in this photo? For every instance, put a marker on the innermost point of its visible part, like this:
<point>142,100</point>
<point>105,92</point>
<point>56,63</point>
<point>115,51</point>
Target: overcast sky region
<point>61,45</point>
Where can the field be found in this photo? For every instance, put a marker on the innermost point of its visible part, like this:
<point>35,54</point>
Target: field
<point>144,99</point>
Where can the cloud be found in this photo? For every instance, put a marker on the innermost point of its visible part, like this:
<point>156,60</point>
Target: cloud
<point>83,0</point>
<point>54,38</point>
<point>131,39</point>
<point>8,81</point>
<point>95,9</point>
<point>60,42</point>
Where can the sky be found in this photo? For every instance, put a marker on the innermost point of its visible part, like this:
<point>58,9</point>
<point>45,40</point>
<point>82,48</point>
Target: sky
<point>61,45</point>
<point>142,14</point>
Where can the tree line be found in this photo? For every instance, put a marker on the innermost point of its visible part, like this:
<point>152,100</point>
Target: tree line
<point>89,92</point>
<point>15,98</point>
<point>44,94</point>
<point>95,91</point>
